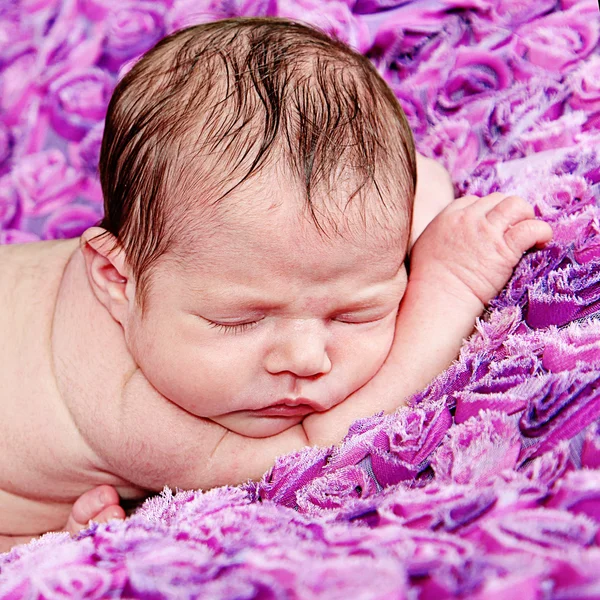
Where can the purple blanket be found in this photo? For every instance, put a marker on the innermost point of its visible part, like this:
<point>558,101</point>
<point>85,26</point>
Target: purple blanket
<point>488,485</point>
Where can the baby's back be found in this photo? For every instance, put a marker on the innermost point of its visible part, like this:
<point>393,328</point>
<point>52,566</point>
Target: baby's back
<point>35,431</point>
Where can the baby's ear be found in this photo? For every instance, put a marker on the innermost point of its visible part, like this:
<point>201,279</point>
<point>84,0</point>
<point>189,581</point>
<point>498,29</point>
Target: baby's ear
<point>107,271</point>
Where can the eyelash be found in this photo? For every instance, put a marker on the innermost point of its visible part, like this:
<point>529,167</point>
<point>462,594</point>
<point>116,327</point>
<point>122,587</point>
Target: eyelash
<point>233,328</point>
<point>241,327</point>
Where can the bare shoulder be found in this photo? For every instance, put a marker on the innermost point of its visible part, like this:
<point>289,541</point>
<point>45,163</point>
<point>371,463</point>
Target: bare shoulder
<point>434,192</point>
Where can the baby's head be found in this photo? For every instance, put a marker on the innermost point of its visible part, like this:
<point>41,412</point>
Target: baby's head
<point>242,159</point>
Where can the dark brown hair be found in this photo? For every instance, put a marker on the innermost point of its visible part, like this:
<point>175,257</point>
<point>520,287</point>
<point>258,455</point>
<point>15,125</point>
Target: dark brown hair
<point>240,94</point>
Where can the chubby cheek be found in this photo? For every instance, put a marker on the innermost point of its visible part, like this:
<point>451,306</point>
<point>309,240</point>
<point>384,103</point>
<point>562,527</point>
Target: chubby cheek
<point>201,377</point>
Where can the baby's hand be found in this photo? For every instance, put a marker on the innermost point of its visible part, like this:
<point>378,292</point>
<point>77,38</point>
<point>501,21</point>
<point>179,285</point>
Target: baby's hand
<point>100,504</point>
<point>471,248</point>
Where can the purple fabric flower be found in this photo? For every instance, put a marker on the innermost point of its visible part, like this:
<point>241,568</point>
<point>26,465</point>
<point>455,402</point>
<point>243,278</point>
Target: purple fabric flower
<point>540,531</point>
<point>455,144</point>
<point>70,44</point>
<point>45,182</point>
<point>501,389</point>
<point>477,73</point>
<point>16,89</point>
<point>561,405</point>
<point>565,296</point>
<point>556,41</point>
<point>579,493</point>
<point>518,111</point>
<point>407,442</point>
<point>334,18</point>
<point>132,28</point>
<point>478,449</point>
<point>585,83</point>
<point>409,44</point>
<point>70,221</point>
<point>78,101</point>
<point>573,348</point>
<point>290,473</point>
<point>334,489</point>
<point>8,202</point>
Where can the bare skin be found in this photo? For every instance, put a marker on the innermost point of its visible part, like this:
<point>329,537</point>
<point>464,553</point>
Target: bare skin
<point>106,451</point>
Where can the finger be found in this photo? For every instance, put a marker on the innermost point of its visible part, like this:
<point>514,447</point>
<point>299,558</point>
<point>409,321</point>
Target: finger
<point>90,504</point>
<point>510,211</point>
<point>483,203</point>
<point>112,512</point>
<point>526,234</point>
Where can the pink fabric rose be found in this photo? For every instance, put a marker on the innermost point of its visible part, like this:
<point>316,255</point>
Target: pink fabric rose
<point>78,100</point>
<point>404,42</point>
<point>85,155</point>
<point>334,490</point>
<point>477,73</point>
<point>71,43</point>
<point>558,40</point>
<point>518,111</point>
<point>559,133</point>
<point>17,236</point>
<point>70,221</point>
<point>6,148</point>
<point>334,18</point>
<point>133,28</point>
<point>478,449</point>
<point>579,493</point>
<point>16,85</point>
<point>403,449</point>
<point>455,144</point>
<point>509,12</point>
<point>45,182</point>
<point>575,347</point>
<point>585,85</point>
<point>8,202</point>
<point>191,12</point>
<point>290,473</point>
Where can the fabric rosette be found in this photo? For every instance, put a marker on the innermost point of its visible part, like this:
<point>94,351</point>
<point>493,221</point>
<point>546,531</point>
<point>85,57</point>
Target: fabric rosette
<point>290,474</point>
<point>8,202</point>
<point>78,101</point>
<point>506,12</point>
<point>585,85</point>
<point>411,436</point>
<point>579,493</point>
<point>501,389</point>
<point>70,221</point>
<point>132,28</point>
<point>44,182</point>
<point>477,74</point>
<point>561,405</point>
<point>478,449</point>
<point>574,347</point>
<point>334,18</point>
<point>564,296</point>
<point>556,41</point>
<point>335,490</point>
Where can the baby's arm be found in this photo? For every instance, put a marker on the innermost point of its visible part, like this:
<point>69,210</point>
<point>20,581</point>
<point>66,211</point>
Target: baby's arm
<point>462,260</point>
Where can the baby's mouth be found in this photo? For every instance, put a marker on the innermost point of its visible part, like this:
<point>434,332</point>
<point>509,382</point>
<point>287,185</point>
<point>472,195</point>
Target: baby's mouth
<point>285,408</point>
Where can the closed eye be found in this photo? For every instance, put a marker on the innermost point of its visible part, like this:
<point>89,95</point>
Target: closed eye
<point>349,320</point>
<point>233,327</point>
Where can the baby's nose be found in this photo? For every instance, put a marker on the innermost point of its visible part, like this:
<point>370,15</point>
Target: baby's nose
<point>301,350</point>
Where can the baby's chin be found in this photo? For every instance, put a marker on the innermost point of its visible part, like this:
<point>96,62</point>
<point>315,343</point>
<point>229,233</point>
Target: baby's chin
<point>253,426</point>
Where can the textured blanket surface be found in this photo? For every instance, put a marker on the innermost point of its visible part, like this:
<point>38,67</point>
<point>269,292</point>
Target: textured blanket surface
<point>488,484</point>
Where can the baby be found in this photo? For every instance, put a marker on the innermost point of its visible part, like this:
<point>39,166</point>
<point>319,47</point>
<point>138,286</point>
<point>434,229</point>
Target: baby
<point>245,294</point>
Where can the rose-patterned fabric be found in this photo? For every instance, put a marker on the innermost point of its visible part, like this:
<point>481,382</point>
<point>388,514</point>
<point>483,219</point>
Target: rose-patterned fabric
<point>487,485</point>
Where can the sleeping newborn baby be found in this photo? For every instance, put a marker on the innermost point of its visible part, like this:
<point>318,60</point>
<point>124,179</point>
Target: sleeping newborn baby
<point>246,293</point>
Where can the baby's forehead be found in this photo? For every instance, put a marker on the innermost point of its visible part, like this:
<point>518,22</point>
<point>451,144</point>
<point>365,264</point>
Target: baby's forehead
<point>254,227</point>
